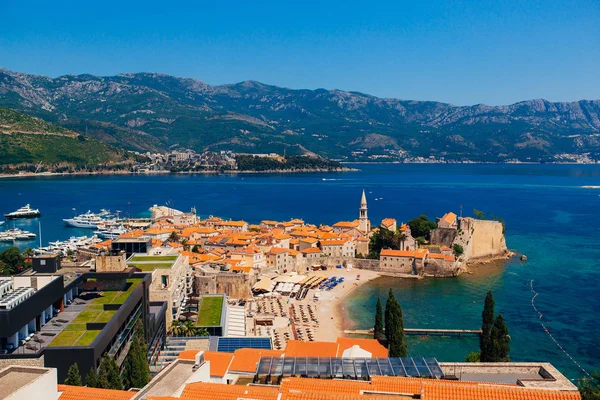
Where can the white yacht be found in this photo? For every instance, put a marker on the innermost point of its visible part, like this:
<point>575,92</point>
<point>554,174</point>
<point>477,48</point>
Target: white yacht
<point>111,233</point>
<point>11,235</point>
<point>24,212</point>
<point>88,220</point>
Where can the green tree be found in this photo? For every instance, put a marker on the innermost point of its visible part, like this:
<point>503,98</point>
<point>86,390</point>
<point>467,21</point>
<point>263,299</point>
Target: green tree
<point>195,249</point>
<point>421,226</point>
<point>500,340</point>
<point>487,321</point>
<point>378,328</point>
<point>73,376</point>
<point>458,249</point>
<point>590,387</point>
<point>91,380</point>
<point>174,237</point>
<point>388,314</point>
<point>136,373</point>
<point>12,260</point>
<point>479,214</point>
<point>109,376</point>
<point>397,347</point>
<point>473,356</point>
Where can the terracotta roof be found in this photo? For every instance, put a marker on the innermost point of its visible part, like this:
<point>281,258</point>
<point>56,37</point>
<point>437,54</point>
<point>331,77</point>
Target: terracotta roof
<point>333,242</point>
<point>188,355</point>
<point>219,362</point>
<point>298,348</point>
<point>100,245</point>
<point>439,256</point>
<point>246,360</point>
<point>419,253</point>
<point>213,391</point>
<point>388,222</point>
<point>232,223</point>
<point>347,224</point>
<point>309,240</point>
<point>449,218</point>
<point>370,345</point>
<point>85,393</point>
<point>311,250</point>
<point>436,391</point>
<point>278,250</point>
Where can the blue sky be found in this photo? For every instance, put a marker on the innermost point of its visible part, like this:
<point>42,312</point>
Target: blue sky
<point>462,52</point>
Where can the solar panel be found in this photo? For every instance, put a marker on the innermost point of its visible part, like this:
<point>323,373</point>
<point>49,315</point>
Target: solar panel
<point>349,368</point>
<point>231,344</point>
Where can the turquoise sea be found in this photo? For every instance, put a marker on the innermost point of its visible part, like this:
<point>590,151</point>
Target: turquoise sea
<point>550,217</point>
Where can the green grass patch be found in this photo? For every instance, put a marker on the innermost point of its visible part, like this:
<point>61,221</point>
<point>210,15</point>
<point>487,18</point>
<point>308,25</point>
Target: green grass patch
<point>66,338</point>
<point>210,311</point>
<point>153,258</point>
<point>86,316</point>
<point>87,338</point>
<point>147,267</point>
<point>75,327</point>
<point>106,298</point>
<point>106,316</point>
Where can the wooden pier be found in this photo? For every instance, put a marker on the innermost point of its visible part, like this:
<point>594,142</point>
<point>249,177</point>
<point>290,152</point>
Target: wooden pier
<point>424,332</point>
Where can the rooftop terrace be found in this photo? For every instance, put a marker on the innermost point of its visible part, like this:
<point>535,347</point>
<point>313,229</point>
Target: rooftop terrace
<point>211,308</point>
<point>91,310</point>
<point>150,263</point>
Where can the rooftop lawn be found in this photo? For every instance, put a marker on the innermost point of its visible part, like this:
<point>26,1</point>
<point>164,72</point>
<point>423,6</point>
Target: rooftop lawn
<point>153,258</point>
<point>151,266</point>
<point>76,334</point>
<point>210,311</point>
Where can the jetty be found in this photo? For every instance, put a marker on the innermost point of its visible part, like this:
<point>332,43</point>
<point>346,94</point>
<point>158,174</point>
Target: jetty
<point>422,332</point>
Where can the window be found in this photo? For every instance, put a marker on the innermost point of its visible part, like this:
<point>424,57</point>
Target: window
<point>42,262</point>
<point>164,280</point>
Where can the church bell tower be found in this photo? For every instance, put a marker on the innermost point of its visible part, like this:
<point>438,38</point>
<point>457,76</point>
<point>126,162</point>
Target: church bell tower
<point>364,225</point>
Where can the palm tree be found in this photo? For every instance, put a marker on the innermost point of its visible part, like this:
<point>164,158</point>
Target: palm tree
<point>189,327</point>
<point>174,237</point>
<point>178,329</point>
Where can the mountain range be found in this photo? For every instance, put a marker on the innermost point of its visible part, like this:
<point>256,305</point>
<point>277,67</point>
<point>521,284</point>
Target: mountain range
<point>157,112</point>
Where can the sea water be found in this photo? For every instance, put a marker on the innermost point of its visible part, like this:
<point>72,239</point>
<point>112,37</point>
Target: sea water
<point>549,216</point>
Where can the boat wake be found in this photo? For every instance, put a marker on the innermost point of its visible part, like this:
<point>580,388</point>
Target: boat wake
<point>540,316</point>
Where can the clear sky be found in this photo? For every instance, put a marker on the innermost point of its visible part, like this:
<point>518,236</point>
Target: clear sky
<point>462,52</point>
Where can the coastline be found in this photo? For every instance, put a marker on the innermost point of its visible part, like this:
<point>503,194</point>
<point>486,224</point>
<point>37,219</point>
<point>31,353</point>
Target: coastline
<point>109,173</point>
<point>331,310</point>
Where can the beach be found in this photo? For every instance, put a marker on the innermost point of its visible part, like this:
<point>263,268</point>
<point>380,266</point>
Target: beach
<point>330,307</point>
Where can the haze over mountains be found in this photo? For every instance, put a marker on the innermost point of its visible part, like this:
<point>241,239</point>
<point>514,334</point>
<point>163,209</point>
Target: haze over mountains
<point>146,111</point>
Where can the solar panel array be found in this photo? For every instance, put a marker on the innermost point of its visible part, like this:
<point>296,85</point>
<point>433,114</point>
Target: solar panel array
<point>231,344</point>
<point>349,368</point>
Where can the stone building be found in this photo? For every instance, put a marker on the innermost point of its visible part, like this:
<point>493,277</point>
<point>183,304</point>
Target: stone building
<point>403,261</point>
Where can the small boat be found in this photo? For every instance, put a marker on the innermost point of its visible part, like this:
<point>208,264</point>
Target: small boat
<point>1,223</point>
<point>24,212</point>
<point>88,220</point>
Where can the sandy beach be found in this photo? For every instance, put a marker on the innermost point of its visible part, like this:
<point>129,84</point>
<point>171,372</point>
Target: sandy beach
<point>330,306</point>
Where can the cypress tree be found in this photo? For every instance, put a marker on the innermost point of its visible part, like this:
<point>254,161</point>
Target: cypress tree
<point>487,321</point>
<point>500,340</point>
<point>389,304</point>
<point>378,329</point>
<point>137,372</point>
<point>102,377</point>
<point>114,375</point>
<point>91,380</point>
<point>397,347</point>
<point>73,376</point>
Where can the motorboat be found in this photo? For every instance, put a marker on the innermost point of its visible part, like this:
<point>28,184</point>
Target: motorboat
<point>88,220</point>
<point>24,212</point>
<point>111,233</point>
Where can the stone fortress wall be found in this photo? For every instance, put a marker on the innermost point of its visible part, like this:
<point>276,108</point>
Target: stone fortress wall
<point>480,238</point>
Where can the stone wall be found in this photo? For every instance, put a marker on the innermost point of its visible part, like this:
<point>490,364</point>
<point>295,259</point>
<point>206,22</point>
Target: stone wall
<point>442,268</point>
<point>480,239</point>
<point>234,285</point>
<point>443,236</point>
<point>332,262</point>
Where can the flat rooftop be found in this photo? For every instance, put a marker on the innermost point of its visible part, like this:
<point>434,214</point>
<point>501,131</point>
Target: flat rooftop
<point>14,378</point>
<point>150,263</point>
<point>169,380</point>
<point>91,304</point>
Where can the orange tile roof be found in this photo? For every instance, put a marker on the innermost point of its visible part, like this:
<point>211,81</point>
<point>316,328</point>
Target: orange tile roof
<point>346,224</point>
<point>135,233</point>
<point>232,223</point>
<point>100,245</point>
<point>85,393</point>
<point>188,355</point>
<point>419,253</point>
<point>246,360</point>
<point>333,242</point>
<point>403,227</point>
<point>449,218</point>
<point>214,391</point>
<point>243,268</point>
<point>159,230</point>
<point>281,236</point>
<point>438,256</point>
<point>370,345</point>
<point>388,222</point>
<point>298,348</point>
<point>436,391</point>
<point>323,387</point>
<point>311,250</point>
<point>219,362</point>
<point>278,250</point>
<point>309,240</point>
